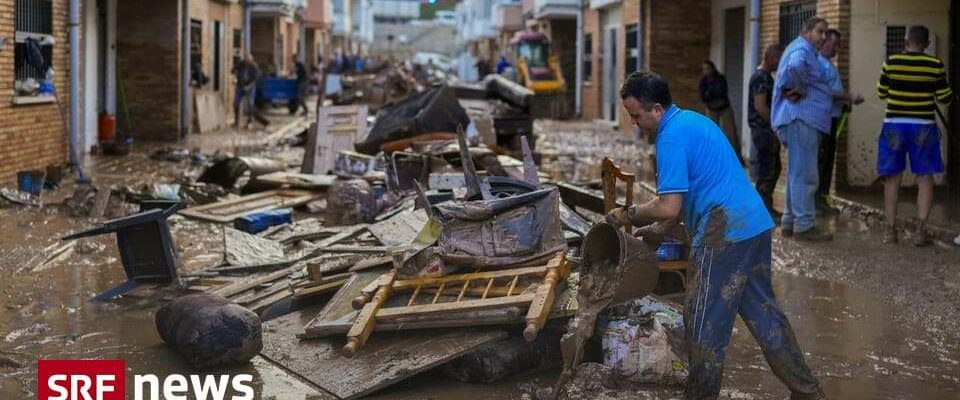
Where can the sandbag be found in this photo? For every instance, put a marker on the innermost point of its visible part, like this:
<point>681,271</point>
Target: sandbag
<point>435,110</point>
<point>210,331</point>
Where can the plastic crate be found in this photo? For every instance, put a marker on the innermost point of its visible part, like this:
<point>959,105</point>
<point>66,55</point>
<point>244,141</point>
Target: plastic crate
<point>279,89</point>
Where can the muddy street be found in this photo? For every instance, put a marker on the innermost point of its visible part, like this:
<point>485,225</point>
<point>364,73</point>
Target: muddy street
<point>875,322</point>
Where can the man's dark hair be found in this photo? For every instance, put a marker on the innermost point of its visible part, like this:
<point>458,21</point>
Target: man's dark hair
<point>811,23</point>
<point>648,88</point>
<point>771,50</point>
<point>834,33</point>
<point>919,34</point>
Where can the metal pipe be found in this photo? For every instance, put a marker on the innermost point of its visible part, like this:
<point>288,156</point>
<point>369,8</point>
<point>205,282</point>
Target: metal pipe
<point>578,102</point>
<point>185,69</point>
<point>74,130</point>
<point>247,15</point>
<point>754,34</point>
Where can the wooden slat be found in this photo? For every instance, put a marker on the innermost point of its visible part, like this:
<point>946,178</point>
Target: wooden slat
<point>229,210</point>
<point>504,273</point>
<point>466,305</point>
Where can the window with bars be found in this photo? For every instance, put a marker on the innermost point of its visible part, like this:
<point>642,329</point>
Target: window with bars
<point>33,21</point>
<point>896,39</point>
<point>632,59</point>
<point>587,57</point>
<point>792,17</point>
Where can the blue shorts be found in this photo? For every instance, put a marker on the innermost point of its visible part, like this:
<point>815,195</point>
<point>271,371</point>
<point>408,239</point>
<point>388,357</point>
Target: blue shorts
<point>921,141</point>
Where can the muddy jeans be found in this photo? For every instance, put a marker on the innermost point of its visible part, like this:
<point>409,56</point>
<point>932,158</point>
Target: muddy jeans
<point>735,279</point>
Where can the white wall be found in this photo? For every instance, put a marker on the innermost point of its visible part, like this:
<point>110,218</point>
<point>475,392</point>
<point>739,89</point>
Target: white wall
<point>867,53</point>
<point>717,29</point>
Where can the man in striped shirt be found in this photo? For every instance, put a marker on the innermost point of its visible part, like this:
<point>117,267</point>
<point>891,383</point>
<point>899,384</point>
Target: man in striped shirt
<point>912,83</point>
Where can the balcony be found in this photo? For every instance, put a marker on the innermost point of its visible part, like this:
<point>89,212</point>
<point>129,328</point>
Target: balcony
<point>508,17</point>
<point>282,8</point>
<point>556,9</point>
<point>601,4</point>
<point>318,14</point>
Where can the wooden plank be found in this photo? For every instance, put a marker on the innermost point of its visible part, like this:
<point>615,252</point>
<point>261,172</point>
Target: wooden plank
<point>244,285</point>
<point>353,249</point>
<point>227,211</point>
<point>368,263</point>
<point>324,288</point>
<point>299,180</point>
<point>474,276</point>
<point>543,299</point>
<point>363,326</point>
<point>386,360</point>
<point>466,305</point>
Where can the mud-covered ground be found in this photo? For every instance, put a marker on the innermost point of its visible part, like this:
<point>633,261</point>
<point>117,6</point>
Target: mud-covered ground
<point>876,322</point>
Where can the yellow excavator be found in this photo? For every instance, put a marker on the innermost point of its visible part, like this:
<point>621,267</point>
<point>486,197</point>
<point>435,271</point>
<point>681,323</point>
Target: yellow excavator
<point>539,71</point>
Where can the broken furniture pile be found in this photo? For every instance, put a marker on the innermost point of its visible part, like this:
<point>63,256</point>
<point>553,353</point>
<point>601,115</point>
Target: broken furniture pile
<point>398,247</point>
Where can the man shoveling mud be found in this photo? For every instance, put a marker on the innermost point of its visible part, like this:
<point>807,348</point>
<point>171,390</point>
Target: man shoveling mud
<point>698,174</point>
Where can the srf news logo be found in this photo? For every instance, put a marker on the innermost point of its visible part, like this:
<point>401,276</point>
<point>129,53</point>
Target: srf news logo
<point>106,380</point>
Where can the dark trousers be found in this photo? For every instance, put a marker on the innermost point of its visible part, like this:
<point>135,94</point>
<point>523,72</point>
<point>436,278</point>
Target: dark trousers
<point>825,160</point>
<point>727,280</point>
<point>766,163</point>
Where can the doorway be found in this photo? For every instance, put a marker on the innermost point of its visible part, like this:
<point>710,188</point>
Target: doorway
<point>733,55</point>
<point>217,55</point>
<point>610,81</point>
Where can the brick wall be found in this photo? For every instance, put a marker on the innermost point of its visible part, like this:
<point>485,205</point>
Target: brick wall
<point>148,67</point>
<point>32,136</point>
<point>679,32</point>
<point>591,91</point>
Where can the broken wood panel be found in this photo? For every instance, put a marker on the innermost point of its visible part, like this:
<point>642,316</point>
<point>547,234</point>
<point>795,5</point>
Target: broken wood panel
<point>324,288</point>
<point>475,276</point>
<point>229,210</point>
<point>210,111</point>
<point>340,305</point>
<point>386,360</point>
<point>299,180</point>
<point>401,229</point>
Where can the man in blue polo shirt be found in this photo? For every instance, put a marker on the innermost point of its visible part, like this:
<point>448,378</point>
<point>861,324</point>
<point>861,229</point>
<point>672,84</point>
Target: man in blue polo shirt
<point>700,180</point>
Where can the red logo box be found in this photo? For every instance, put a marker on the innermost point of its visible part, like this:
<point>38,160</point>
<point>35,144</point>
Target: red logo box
<point>81,379</point>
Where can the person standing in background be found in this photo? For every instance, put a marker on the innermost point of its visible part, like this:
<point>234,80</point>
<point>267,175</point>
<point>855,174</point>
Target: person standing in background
<point>765,164</point>
<point>841,102</point>
<point>716,104</point>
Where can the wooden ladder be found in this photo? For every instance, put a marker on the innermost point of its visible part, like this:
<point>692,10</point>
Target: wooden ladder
<point>485,294</point>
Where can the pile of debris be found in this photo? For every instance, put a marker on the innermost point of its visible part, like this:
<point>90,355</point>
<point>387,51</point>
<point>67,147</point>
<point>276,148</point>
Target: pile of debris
<point>415,223</point>
<point>574,151</point>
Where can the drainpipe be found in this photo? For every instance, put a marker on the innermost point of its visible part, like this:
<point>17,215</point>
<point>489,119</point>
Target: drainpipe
<point>74,131</point>
<point>247,15</point>
<point>754,34</point>
<point>577,101</point>
<point>185,69</point>
<point>302,53</point>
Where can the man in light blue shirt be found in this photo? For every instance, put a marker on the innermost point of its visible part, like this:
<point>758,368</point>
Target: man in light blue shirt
<point>802,101</point>
<point>841,100</point>
<point>700,181</point>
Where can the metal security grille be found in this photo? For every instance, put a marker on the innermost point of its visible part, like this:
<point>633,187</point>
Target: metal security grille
<point>587,57</point>
<point>792,17</point>
<point>896,39</point>
<point>33,20</point>
<point>632,59</point>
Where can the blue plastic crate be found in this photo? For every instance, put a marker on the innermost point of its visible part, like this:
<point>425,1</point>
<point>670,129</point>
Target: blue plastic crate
<point>279,89</point>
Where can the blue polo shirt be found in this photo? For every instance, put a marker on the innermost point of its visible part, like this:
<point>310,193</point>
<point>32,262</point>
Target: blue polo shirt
<point>720,206</point>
